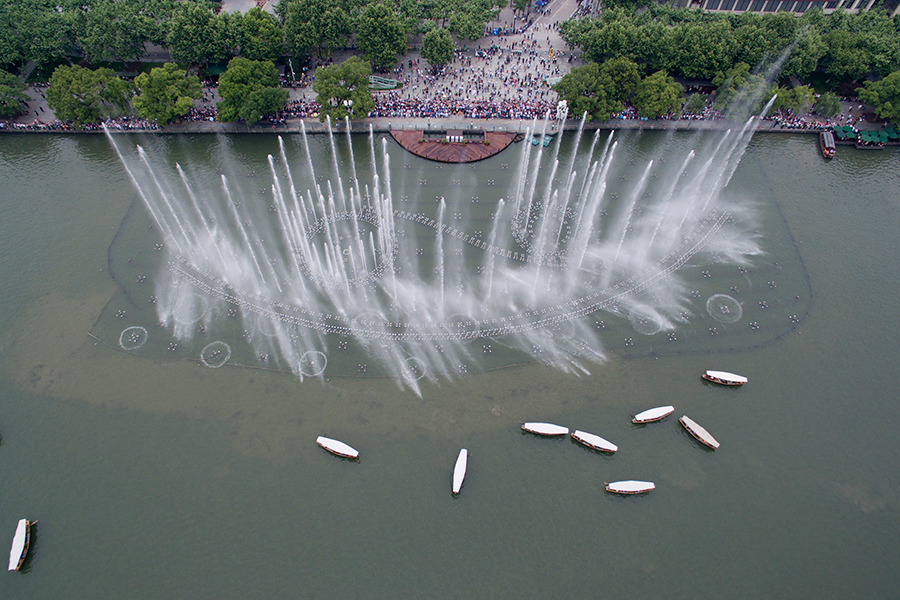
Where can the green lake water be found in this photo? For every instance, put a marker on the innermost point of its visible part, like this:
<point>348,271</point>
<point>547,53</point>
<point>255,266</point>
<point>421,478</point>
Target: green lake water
<point>153,476</point>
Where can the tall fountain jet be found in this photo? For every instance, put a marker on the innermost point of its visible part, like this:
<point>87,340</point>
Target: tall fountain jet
<point>336,259</point>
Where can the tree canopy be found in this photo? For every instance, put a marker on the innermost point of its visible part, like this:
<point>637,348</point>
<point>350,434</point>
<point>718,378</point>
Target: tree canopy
<point>108,30</point>
<point>657,94</point>
<point>194,36</point>
<point>165,93</point>
<point>599,90</point>
<point>12,94</point>
<point>85,96</point>
<point>320,26</point>
<point>343,90</point>
<point>250,89</point>
<point>437,47</point>
<point>262,37</point>
<point>380,35</point>
<point>884,96</point>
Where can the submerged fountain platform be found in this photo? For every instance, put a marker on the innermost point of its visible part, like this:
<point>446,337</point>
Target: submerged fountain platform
<point>464,147</point>
<point>295,255</point>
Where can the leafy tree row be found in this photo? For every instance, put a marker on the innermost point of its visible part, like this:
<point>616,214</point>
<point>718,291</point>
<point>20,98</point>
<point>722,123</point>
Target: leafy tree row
<point>46,31</point>
<point>697,44</point>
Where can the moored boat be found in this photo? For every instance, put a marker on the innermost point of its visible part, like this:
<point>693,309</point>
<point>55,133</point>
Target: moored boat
<point>594,441</point>
<point>337,447</point>
<point>459,471</point>
<point>724,378</point>
<point>653,414</point>
<point>630,486</point>
<point>826,144</point>
<point>702,435</point>
<point>545,429</point>
<point>20,543</point>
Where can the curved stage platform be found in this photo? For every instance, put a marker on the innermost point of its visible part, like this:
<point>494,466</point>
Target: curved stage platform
<point>434,145</point>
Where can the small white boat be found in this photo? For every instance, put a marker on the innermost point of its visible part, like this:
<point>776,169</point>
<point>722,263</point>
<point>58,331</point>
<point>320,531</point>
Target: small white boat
<point>545,429</point>
<point>459,471</point>
<point>724,378</point>
<point>594,441</point>
<point>630,487</point>
<point>702,435</point>
<point>20,543</point>
<point>337,447</point>
<point>653,414</point>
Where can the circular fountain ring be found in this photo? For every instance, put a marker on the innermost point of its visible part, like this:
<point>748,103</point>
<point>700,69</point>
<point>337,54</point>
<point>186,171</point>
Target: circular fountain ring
<point>724,309</point>
<point>523,232</point>
<point>185,313</point>
<point>132,338</point>
<point>413,369</point>
<point>215,354</point>
<point>366,215</point>
<point>645,320</point>
<point>313,363</point>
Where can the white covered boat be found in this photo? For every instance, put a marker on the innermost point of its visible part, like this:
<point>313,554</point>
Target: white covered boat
<point>20,543</point>
<point>630,486</point>
<point>337,447</point>
<point>545,429</point>
<point>594,441</point>
<point>702,435</point>
<point>724,378</point>
<point>459,471</point>
<point>653,414</point>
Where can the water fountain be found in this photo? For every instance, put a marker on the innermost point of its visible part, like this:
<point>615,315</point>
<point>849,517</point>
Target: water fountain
<point>341,253</point>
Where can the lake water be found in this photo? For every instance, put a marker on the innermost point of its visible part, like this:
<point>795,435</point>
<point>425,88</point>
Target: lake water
<point>154,476</point>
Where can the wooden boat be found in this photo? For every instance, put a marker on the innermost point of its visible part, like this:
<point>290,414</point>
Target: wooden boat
<point>545,429</point>
<point>594,441</point>
<point>20,543</point>
<point>337,448</point>
<point>630,487</point>
<point>653,414</point>
<point>702,435</point>
<point>459,471</point>
<point>826,144</point>
<point>724,378</point>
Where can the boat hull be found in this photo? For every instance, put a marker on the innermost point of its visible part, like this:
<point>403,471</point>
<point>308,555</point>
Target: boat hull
<point>699,433</point>
<point>545,429</point>
<point>20,544</point>
<point>337,447</point>
<point>630,487</point>
<point>594,441</point>
<point>459,470</point>
<point>724,378</point>
<point>654,414</point>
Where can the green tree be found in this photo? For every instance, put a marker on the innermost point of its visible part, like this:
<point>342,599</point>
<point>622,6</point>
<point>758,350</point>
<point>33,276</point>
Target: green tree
<point>320,26</point>
<point>380,35</point>
<point>437,47</point>
<point>344,90</point>
<point>827,105</point>
<point>85,96</point>
<point>262,36</point>
<point>587,90</point>
<point>249,90</point>
<point>622,77</point>
<point>470,18</point>
<point>193,37</point>
<point>884,96</point>
<point>695,104</point>
<point>31,30</point>
<point>108,30</point>
<point>165,93</point>
<point>12,94</point>
<point>657,94</point>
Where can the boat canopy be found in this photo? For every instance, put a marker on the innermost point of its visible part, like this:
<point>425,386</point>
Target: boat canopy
<point>653,414</point>
<point>630,486</point>
<point>545,428</point>
<point>699,432</point>
<point>594,441</point>
<point>726,376</point>
<point>18,544</point>
<point>828,139</point>
<point>459,471</point>
<point>337,447</point>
